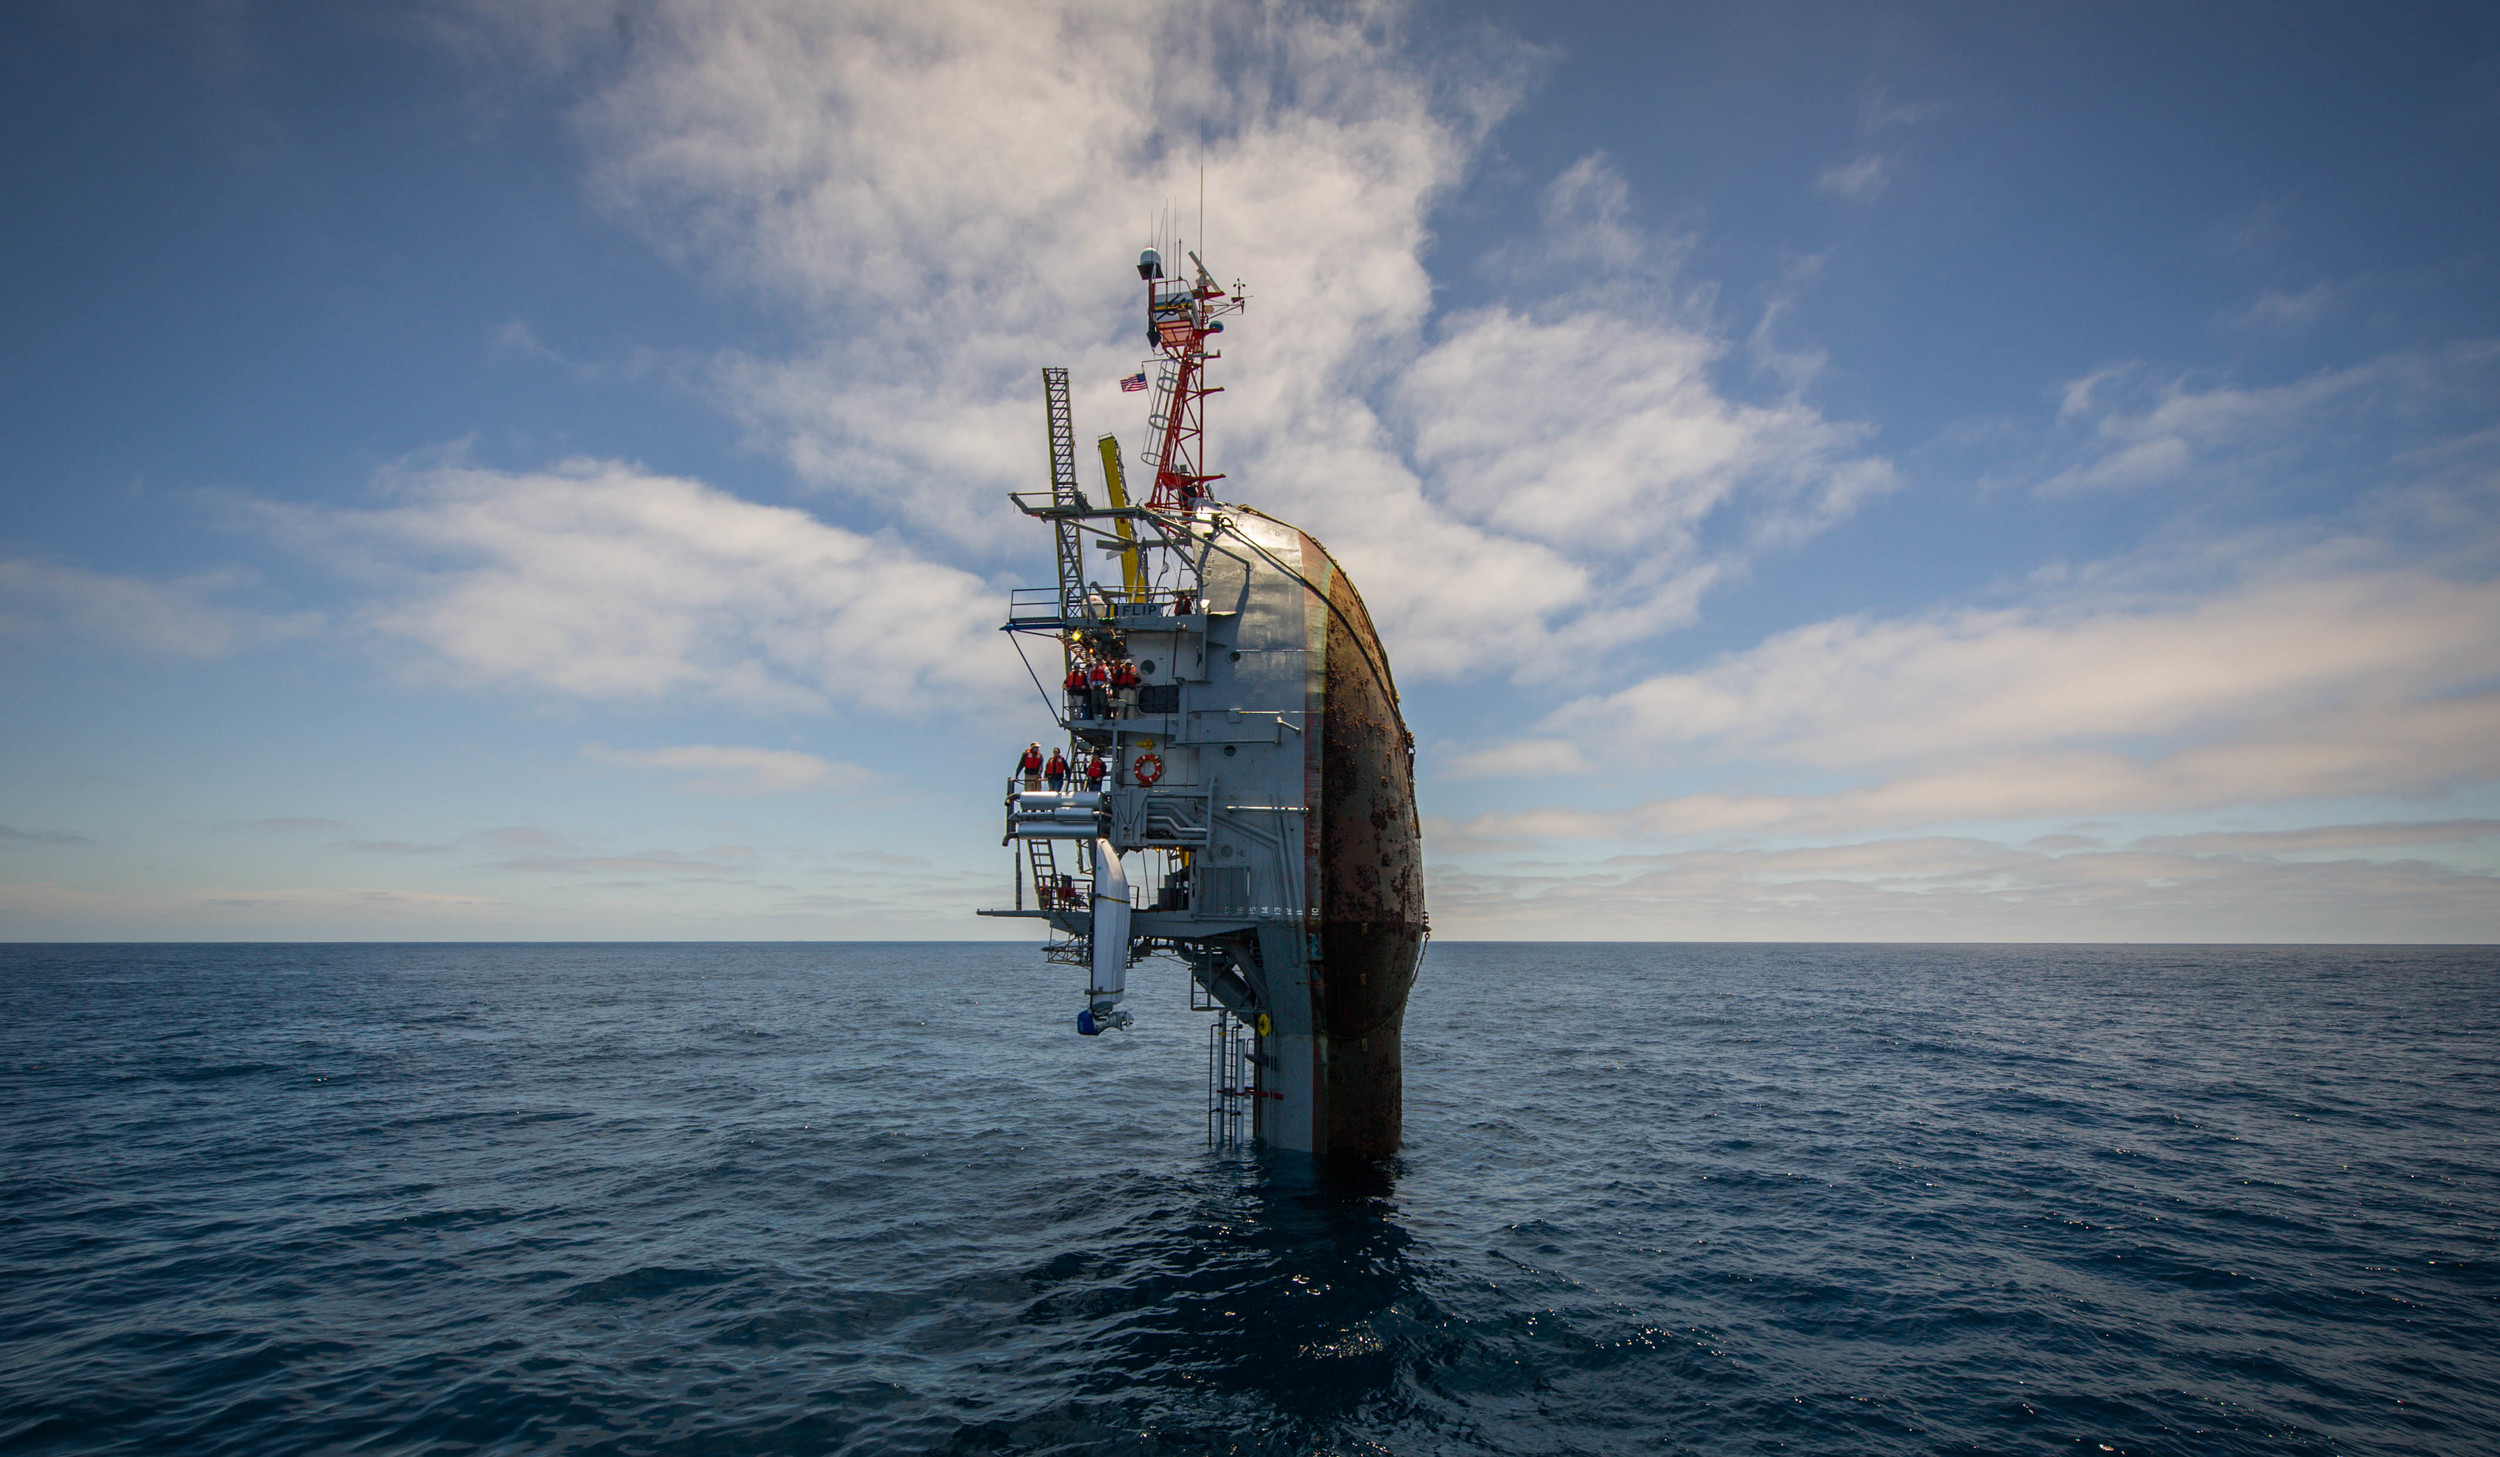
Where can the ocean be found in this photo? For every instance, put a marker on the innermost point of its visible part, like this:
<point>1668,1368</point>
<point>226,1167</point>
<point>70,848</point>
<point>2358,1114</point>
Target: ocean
<point>874,1198</point>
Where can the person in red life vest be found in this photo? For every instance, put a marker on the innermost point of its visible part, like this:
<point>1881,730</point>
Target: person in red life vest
<point>1077,706</point>
<point>1124,685</point>
<point>1098,689</point>
<point>1056,771</point>
<point>1094,770</point>
<point>1031,766</point>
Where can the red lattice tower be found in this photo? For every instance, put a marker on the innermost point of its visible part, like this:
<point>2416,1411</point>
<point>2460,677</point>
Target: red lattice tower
<point>1180,318</point>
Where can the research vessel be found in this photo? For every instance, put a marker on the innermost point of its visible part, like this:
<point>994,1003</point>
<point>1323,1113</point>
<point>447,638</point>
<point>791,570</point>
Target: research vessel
<point>1227,780</point>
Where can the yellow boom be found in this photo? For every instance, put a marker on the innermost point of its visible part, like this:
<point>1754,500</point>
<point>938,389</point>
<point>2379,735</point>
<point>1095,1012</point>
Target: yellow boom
<point>1132,573</point>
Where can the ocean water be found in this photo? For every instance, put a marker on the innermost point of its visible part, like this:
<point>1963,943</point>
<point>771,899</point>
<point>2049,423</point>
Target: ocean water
<point>880,1198</point>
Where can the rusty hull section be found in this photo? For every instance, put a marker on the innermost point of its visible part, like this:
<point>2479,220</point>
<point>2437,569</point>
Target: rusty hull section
<point>1368,874</point>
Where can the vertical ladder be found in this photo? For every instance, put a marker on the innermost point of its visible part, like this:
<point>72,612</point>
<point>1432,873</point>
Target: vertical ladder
<point>1045,864</point>
<point>1063,491</point>
<point>1229,1085</point>
<point>1152,456</point>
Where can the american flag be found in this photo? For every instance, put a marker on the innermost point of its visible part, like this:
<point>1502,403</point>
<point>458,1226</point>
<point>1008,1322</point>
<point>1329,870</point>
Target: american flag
<point>1133,383</point>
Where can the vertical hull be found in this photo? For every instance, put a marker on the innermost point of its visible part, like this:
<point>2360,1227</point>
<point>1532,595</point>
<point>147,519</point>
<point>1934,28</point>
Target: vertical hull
<point>1371,894</point>
<point>1342,1081</point>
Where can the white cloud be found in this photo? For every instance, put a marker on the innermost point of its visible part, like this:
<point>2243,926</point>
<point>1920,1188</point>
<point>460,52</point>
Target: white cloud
<point>351,899</point>
<point>2277,651</point>
<point>2284,310</point>
<point>660,864</point>
<point>2381,836</point>
<point>2285,688</point>
<point>180,618</point>
<point>2183,428</point>
<point>1588,432</point>
<point>602,581</point>
<point>734,769</point>
<point>1861,179</point>
<point>1959,889</point>
<point>291,825</point>
<point>948,194</point>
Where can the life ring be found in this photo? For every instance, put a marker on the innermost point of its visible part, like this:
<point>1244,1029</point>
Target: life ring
<point>1148,768</point>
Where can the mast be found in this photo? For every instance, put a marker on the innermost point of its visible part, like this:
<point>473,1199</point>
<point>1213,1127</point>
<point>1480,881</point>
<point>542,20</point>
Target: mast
<point>1180,318</point>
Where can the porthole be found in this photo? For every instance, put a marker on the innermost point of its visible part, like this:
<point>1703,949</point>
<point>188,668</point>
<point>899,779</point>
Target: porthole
<point>1236,655</point>
<point>1147,666</point>
<point>1228,751</point>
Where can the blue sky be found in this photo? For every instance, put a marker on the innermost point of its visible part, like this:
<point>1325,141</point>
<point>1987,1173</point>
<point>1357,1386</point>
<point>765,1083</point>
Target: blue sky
<point>1824,472</point>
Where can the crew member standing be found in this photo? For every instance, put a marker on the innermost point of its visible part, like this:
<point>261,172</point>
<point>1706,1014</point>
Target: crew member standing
<point>1094,770</point>
<point>1031,766</point>
<point>1077,706</point>
<point>1056,771</point>
<point>1098,689</point>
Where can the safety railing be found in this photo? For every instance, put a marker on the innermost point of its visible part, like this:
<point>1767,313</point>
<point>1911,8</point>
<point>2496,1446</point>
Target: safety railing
<point>1036,605</point>
<point>1040,606</point>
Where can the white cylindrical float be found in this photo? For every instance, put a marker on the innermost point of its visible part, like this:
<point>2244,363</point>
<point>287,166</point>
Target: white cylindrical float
<point>1111,912</point>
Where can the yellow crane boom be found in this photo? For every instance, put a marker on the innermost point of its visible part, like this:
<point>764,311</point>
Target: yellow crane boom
<point>1132,573</point>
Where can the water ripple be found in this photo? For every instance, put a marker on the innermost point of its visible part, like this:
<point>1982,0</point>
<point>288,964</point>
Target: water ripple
<point>665,1199</point>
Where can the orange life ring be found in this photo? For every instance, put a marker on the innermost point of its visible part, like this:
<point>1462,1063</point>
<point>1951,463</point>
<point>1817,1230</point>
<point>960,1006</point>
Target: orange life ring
<point>1148,768</point>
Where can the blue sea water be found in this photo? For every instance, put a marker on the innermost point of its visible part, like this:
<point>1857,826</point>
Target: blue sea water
<point>879,1198</point>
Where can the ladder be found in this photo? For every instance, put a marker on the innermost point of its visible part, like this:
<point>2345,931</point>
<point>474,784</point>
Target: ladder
<point>1152,456</point>
<point>1063,491</point>
<point>1041,856</point>
<point>1230,1082</point>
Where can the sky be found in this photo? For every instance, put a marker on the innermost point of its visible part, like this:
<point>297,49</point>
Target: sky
<point>539,468</point>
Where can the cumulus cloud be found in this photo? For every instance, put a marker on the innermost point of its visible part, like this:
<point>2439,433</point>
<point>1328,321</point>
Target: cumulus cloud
<point>947,196</point>
<point>734,769</point>
<point>181,618</point>
<point>1583,434</point>
<point>602,581</point>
